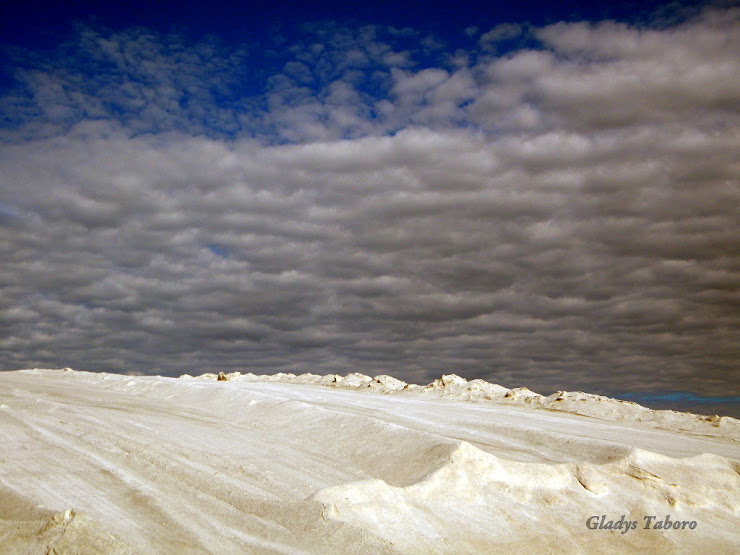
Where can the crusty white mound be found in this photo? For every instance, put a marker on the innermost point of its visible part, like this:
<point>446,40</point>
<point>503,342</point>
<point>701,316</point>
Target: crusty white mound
<point>104,463</point>
<point>453,386</point>
<point>536,505</point>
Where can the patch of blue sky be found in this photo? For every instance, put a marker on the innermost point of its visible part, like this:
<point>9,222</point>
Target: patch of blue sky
<point>8,214</point>
<point>218,250</point>
<point>724,405</point>
<point>679,396</point>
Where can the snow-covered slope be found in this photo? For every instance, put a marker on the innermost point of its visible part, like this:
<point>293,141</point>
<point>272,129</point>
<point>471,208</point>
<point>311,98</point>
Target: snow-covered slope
<point>119,464</point>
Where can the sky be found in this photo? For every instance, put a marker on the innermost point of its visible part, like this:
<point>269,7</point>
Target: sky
<point>539,194</point>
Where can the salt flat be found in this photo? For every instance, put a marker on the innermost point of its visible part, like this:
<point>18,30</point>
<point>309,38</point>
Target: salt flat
<point>121,464</point>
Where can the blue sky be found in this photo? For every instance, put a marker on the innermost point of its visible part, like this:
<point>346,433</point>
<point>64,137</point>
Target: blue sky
<point>540,194</point>
<point>29,22</point>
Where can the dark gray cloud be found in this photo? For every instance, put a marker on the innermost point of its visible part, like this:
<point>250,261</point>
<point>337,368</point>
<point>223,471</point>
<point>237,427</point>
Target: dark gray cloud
<point>562,217</point>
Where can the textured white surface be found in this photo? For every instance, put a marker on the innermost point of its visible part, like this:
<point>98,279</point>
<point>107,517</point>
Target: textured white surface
<point>149,464</point>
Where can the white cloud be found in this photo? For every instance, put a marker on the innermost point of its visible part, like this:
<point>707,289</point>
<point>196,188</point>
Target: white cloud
<point>502,32</point>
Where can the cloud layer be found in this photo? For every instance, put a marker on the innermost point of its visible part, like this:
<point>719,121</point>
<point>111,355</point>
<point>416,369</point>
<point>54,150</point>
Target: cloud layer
<point>555,206</point>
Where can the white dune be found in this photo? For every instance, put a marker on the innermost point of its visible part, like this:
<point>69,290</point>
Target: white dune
<point>104,463</point>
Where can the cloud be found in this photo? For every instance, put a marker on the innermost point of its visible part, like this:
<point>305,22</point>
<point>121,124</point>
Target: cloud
<point>557,217</point>
<point>503,32</point>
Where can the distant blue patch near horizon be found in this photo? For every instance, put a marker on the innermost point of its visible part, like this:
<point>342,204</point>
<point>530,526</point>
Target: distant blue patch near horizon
<point>218,250</point>
<point>670,396</point>
<point>684,401</point>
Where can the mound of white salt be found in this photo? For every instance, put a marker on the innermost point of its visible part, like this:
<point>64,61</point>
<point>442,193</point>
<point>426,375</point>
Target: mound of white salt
<point>455,387</point>
<point>438,513</point>
<point>283,465</point>
<point>386,384</point>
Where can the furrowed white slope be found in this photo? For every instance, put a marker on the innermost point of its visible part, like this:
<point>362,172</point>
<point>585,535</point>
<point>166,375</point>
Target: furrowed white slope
<point>118,464</point>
